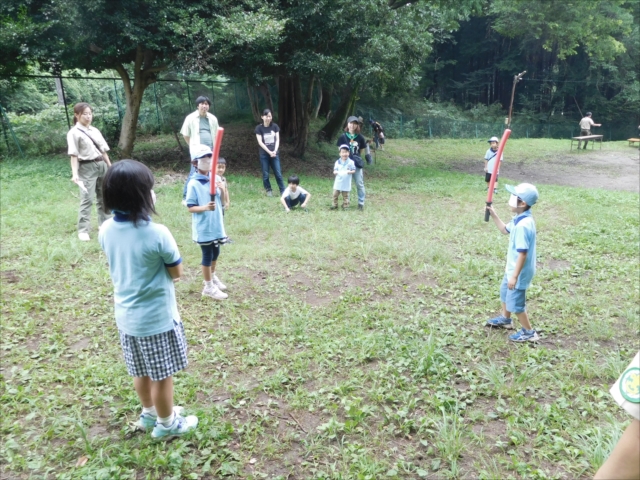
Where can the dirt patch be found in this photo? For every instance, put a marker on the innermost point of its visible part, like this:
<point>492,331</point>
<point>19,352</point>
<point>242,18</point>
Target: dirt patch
<point>611,170</point>
<point>9,277</point>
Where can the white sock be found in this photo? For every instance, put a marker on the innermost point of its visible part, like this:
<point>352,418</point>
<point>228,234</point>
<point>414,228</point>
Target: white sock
<point>166,421</point>
<point>208,283</point>
<point>150,411</point>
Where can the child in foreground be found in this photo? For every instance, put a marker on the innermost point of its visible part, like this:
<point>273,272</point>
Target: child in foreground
<point>343,169</point>
<point>521,261</point>
<point>294,194</point>
<point>144,261</point>
<point>490,160</point>
<point>207,222</point>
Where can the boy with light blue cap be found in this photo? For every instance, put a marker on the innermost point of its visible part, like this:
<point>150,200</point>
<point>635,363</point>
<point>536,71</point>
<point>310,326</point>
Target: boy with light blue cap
<point>521,261</point>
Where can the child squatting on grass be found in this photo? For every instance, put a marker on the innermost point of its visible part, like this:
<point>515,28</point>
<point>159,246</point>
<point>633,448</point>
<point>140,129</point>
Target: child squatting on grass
<point>207,221</point>
<point>143,263</point>
<point>521,261</point>
<point>490,161</point>
<point>343,169</point>
<point>294,195</point>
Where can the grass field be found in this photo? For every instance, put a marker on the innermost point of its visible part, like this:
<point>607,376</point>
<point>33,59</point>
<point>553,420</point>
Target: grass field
<point>352,344</point>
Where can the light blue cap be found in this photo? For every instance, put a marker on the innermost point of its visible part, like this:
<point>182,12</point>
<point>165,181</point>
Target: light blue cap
<point>525,191</point>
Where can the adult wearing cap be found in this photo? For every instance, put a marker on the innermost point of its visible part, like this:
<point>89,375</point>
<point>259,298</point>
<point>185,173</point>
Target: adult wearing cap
<point>585,128</point>
<point>490,160</point>
<point>268,137</point>
<point>199,128</point>
<point>357,144</point>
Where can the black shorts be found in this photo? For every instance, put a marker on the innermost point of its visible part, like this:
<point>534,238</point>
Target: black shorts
<point>487,177</point>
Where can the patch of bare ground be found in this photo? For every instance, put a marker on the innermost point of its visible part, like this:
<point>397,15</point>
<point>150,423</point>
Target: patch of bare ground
<point>9,276</point>
<point>555,265</point>
<point>611,170</point>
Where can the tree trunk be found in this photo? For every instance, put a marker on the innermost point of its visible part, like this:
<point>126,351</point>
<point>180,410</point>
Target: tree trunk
<point>59,91</point>
<point>289,106</point>
<point>325,106</point>
<point>266,94</point>
<point>303,135</point>
<point>347,104</point>
<point>144,74</point>
<point>319,101</point>
<point>253,101</point>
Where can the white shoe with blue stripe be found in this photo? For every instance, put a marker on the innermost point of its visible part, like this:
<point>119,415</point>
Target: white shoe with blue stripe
<point>179,427</point>
<point>146,422</point>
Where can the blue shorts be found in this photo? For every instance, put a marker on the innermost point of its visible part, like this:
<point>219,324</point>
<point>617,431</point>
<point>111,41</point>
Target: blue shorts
<point>515,300</point>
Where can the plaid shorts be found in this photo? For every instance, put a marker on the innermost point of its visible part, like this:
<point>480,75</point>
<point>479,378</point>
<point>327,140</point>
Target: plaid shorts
<point>158,356</point>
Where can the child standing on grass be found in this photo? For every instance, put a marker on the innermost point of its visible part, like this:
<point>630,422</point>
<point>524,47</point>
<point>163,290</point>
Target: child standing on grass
<point>222,167</point>
<point>294,194</point>
<point>521,261</point>
<point>490,160</point>
<point>343,169</point>
<point>207,222</point>
<point>144,261</point>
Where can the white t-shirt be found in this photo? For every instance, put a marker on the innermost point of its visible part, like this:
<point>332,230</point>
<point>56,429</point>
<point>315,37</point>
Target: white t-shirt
<point>288,193</point>
<point>586,122</point>
<point>626,390</point>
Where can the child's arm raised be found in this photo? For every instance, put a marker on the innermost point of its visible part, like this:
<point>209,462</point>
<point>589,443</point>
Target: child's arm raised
<point>499,223</point>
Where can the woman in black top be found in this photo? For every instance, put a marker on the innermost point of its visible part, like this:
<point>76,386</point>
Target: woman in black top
<point>268,136</point>
<point>357,144</point>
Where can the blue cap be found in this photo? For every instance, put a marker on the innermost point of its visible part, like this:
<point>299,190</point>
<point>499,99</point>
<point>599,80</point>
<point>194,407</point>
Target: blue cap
<point>344,146</point>
<point>525,192</point>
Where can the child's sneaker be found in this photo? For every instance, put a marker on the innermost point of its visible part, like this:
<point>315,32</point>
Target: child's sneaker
<point>146,422</point>
<point>214,292</point>
<point>216,281</point>
<point>524,335</point>
<point>180,426</point>
<point>500,321</point>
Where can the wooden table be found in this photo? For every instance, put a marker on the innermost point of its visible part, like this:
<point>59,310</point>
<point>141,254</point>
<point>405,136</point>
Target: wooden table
<point>633,140</point>
<point>585,138</point>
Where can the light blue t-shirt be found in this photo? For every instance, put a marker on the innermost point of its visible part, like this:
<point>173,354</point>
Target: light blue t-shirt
<point>343,179</point>
<point>143,291</point>
<point>491,157</point>
<point>522,238</point>
<point>209,225</point>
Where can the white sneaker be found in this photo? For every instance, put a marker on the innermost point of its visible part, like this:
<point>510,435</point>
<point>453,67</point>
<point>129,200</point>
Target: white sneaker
<point>214,292</point>
<point>179,427</point>
<point>84,236</point>
<point>216,281</point>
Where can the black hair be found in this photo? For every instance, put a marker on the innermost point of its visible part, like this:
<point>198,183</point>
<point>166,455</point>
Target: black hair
<point>222,161</point>
<point>203,99</point>
<point>293,179</point>
<point>528,206</point>
<point>127,187</point>
<point>266,112</point>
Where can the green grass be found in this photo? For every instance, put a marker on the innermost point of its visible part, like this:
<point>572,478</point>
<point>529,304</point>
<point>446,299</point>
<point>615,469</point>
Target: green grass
<point>352,344</point>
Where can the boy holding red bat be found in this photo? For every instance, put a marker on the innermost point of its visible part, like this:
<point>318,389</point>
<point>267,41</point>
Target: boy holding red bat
<point>207,221</point>
<point>521,261</point>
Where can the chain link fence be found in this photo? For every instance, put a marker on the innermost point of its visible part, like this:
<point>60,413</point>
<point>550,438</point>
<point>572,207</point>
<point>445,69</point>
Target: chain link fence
<point>163,109</point>
<point>169,100</point>
<point>398,125</point>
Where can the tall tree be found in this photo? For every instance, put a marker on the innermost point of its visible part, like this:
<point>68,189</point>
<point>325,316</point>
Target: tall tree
<point>136,38</point>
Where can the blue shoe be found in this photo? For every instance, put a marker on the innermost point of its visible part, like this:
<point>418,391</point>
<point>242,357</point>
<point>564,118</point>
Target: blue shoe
<point>524,335</point>
<point>146,422</point>
<point>179,427</point>
<point>500,321</point>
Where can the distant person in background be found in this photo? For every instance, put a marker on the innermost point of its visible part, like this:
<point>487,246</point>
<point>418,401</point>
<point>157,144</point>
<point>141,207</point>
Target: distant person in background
<point>357,144</point>
<point>585,128</point>
<point>89,163</point>
<point>378,134</point>
<point>199,128</point>
<point>268,136</point>
<point>490,161</point>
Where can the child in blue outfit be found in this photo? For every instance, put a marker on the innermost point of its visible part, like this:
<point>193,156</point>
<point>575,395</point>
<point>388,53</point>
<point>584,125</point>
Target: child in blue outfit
<point>144,261</point>
<point>490,160</point>
<point>344,170</point>
<point>207,221</point>
<point>521,261</point>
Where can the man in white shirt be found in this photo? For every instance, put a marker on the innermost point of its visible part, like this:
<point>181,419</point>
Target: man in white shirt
<point>585,128</point>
